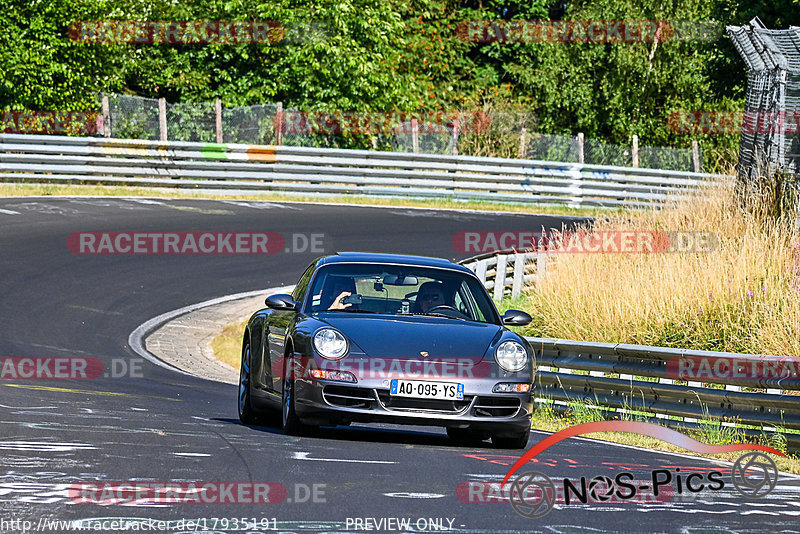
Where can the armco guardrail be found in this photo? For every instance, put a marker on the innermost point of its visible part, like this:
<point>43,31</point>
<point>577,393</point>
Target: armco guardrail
<point>40,158</point>
<point>506,274</point>
<point>676,386</point>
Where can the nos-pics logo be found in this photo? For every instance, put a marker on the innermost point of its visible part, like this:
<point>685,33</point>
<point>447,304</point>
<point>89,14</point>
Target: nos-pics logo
<point>533,494</point>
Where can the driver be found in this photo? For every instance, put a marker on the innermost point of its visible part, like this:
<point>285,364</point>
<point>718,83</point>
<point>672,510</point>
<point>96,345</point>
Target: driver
<point>430,295</point>
<point>336,289</point>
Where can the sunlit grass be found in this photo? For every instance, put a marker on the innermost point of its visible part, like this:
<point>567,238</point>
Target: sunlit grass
<point>227,345</point>
<point>743,296</point>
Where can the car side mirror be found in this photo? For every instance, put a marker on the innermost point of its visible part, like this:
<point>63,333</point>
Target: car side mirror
<point>282,302</point>
<point>516,318</point>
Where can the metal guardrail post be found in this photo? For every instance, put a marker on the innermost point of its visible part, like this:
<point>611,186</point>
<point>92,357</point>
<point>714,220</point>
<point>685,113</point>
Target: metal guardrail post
<point>500,277</point>
<point>581,158</point>
<point>106,117</point>
<point>635,150</point>
<point>415,136</point>
<point>575,188</point>
<point>696,156</point>
<point>218,119</point>
<point>522,143</point>
<point>162,119</point>
<point>480,271</point>
<point>279,124</point>
<point>454,137</point>
<point>519,275</point>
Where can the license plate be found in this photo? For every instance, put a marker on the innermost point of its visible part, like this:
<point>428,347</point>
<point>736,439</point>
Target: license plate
<point>426,390</point>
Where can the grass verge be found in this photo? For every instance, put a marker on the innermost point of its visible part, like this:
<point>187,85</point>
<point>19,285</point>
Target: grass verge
<point>227,345</point>
<point>14,190</point>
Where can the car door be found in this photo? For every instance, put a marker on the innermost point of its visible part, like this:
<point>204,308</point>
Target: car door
<point>278,325</point>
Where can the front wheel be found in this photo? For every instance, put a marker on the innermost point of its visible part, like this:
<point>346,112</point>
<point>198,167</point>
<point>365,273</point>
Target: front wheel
<point>291,424</point>
<point>246,413</point>
<point>517,441</point>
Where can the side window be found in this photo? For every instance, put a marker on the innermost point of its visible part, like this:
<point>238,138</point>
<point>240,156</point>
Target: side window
<point>471,308</point>
<point>460,305</point>
<point>302,285</point>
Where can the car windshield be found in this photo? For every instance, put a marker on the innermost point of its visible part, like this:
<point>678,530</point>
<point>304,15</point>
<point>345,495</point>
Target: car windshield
<point>399,290</point>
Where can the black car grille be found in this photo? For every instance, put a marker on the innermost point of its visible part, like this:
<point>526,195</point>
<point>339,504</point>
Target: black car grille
<point>353,397</point>
<point>495,406</point>
<point>408,404</point>
<point>349,397</point>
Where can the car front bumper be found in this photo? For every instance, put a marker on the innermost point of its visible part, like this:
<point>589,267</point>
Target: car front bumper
<point>323,402</point>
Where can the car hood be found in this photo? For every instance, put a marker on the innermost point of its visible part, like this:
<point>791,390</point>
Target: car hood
<point>407,337</point>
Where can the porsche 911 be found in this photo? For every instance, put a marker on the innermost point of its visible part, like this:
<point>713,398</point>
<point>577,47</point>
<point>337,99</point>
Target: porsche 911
<point>388,338</point>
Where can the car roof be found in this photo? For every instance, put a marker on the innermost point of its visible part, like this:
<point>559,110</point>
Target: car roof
<point>392,259</point>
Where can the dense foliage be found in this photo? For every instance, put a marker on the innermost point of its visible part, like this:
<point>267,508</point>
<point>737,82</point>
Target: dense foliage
<point>402,54</point>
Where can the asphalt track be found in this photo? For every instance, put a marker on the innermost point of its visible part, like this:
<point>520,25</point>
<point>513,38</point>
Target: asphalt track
<point>167,427</point>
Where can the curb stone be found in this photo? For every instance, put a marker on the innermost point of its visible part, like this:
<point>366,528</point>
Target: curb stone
<point>184,342</point>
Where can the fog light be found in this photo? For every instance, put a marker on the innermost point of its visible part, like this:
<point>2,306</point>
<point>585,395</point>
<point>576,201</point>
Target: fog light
<point>511,388</point>
<point>340,376</point>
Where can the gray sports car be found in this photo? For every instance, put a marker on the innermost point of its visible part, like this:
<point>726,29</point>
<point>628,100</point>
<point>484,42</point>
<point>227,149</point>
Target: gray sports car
<point>389,338</point>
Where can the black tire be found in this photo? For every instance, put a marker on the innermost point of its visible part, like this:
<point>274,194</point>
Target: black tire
<point>518,441</point>
<point>465,436</point>
<point>291,424</point>
<point>247,414</point>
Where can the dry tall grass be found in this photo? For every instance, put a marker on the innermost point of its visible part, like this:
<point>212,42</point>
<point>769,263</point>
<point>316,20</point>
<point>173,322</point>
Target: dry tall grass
<point>743,297</point>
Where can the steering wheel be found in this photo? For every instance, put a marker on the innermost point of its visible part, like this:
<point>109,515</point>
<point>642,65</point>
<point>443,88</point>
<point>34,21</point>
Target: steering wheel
<point>446,306</point>
<point>459,315</point>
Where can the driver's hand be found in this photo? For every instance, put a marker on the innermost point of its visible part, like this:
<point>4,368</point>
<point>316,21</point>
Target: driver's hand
<point>338,303</point>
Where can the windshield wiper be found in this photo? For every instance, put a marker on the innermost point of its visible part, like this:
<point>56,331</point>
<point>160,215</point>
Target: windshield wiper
<point>437,314</point>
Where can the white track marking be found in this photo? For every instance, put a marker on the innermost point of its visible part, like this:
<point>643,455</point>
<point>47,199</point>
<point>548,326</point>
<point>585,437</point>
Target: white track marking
<point>259,205</point>
<point>304,456</point>
<point>9,212</point>
<point>48,209</point>
<point>192,454</point>
<point>43,446</point>
<point>145,201</point>
<point>28,407</point>
<point>403,495</point>
<point>110,202</point>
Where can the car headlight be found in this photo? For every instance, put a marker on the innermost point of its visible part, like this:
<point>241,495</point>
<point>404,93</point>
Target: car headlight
<point>511,356</point>
<point>330,344</point>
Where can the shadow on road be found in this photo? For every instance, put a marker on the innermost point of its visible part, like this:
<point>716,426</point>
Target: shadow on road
<point>377,433</point>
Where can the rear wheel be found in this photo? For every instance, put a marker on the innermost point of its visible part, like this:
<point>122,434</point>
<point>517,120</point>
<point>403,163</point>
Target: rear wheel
<point>516,441</point>
<point>247,414</point>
